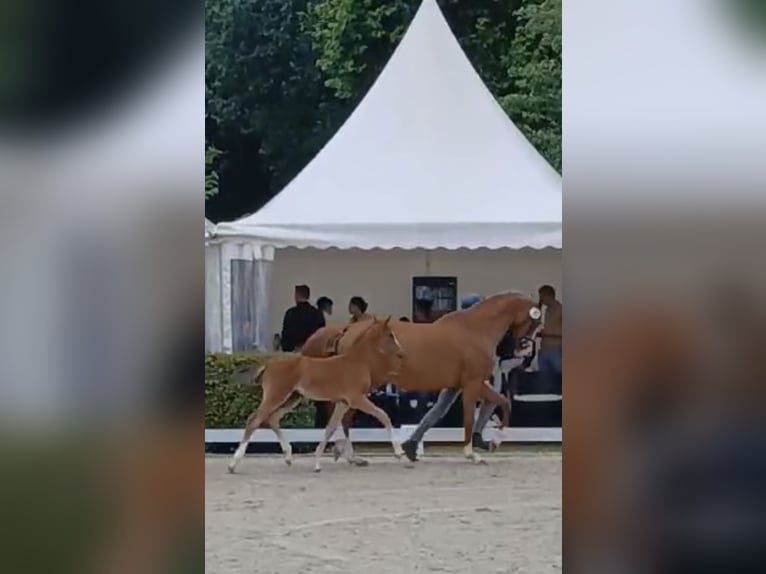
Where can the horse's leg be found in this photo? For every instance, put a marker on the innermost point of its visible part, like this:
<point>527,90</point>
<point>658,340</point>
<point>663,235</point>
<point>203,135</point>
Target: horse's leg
<point>348,421</point>
<point>337,415</point>
<point>492,399</point>
<point>270,403</point>
<point>345,447</point>
<point>365,405</point>
<point>486,411</point>
<point>341,447</point>
<point>491,395</point>
<point>471,393</point>
<point>273,422</point>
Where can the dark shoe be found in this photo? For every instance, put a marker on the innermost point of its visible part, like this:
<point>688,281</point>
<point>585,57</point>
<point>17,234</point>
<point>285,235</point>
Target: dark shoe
<point>410,448</point>
<point>479,442</point>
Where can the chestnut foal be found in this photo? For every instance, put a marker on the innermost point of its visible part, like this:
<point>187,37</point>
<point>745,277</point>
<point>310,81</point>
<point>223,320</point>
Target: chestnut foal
<point>345,379</point>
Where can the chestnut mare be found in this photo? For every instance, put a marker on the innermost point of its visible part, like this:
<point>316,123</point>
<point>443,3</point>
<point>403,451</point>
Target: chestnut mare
<point>345,380</point>
<point>457,351</point>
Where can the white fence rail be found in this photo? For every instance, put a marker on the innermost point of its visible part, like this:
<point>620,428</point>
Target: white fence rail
<point>378,435</point>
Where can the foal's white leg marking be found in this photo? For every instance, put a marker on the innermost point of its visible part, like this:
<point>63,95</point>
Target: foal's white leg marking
<point>348,454</point>
<point>340,448</point>
<point>343,448</point>
<point>398,450</point>
<point>383,418</point>
<point>287,448</point>
<point>238,454</point>
<point>335,419</point>
<point>497,436</point>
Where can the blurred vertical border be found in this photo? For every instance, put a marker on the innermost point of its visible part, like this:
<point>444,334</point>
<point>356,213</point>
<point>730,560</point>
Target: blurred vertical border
<point>101,286</point>
<point>663,137</point>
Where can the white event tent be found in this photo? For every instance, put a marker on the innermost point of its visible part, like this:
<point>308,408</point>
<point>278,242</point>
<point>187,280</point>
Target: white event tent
<point>427,176</point>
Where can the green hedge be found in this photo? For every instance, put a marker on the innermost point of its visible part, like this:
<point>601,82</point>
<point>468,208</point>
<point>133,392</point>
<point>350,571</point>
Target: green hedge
<point>228,404</point>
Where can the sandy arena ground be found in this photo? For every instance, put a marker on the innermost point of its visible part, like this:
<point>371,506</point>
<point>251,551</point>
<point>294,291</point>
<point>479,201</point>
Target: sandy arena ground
<point>441,515</point>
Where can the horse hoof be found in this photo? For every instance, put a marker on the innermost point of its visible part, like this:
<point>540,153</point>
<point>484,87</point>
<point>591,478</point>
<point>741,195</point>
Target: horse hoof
<point>317,469</point>
<point>480,461</point>
<point>360,462</point>
<point>336,453</point>
<point>231,469</point>
<point>288,461</point>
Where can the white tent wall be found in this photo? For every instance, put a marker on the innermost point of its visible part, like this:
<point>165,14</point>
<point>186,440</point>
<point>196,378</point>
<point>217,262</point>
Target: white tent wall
<point>213,302</point>
<point>213,309</point>
<point>384,277</point>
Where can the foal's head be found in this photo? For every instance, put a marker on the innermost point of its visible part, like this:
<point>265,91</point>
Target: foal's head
<point>381,342</point>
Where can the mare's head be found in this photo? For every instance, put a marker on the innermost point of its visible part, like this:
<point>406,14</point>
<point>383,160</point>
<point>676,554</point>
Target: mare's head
<point>380,342</point>
<point>517,315</point>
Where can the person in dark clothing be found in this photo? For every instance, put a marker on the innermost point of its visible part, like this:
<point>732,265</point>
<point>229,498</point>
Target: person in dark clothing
<point>300,321</point>
<point>324,304</point>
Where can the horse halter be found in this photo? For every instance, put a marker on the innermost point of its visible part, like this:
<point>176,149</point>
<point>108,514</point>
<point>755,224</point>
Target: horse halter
<point>529,337</point>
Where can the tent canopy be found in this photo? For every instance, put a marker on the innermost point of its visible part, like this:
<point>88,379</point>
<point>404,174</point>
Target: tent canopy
<point>428,159</point>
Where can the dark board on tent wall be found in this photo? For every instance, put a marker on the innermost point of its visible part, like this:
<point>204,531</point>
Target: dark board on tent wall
<point>442,291</point>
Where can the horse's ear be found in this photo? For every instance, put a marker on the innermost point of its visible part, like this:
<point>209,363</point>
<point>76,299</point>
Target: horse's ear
<point>387,321</point>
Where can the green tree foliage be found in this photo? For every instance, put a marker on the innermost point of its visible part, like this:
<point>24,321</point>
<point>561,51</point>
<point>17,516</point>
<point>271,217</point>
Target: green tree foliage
<point>261,81</point>
<point>534,101</point>
<point>282,76</point>
<point>353,38</point>
<point>211,175</point>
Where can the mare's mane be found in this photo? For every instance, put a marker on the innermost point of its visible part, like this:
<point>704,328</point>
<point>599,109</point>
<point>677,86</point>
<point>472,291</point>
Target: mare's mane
<point>484,303</point>
<point>501,294</point>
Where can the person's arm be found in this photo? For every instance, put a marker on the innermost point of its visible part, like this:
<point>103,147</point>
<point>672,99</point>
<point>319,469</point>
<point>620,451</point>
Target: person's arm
<point>288,332</point>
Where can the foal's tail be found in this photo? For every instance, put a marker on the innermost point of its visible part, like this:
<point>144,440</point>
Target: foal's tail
<point>249,375</point>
